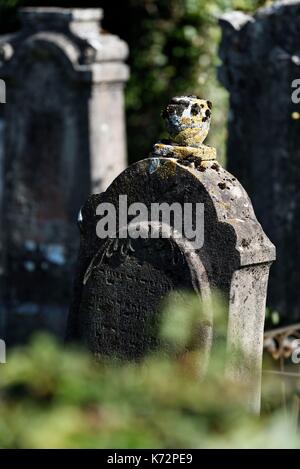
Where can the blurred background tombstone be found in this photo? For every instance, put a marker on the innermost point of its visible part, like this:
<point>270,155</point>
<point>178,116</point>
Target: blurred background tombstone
<point>260,56</point>
<point>121,281</point>
<point>2,315</point>
<point>64,138</point>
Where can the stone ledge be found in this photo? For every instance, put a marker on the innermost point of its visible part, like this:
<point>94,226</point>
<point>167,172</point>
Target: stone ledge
<point>36,14</point>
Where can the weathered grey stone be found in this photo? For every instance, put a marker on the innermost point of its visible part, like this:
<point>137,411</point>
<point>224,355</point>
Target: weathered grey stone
<point>64,139</point>
<point>260,56</point>
<point>2,315</point>
<point>121,282</point>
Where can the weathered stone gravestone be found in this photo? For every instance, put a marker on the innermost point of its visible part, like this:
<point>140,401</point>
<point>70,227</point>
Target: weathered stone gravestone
<point>121,279</point>
<point>64,139</point>
<point>261,60</point>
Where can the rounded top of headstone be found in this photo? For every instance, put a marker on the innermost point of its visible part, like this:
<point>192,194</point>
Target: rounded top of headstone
<point>188,120</point>
<point>34,15</point>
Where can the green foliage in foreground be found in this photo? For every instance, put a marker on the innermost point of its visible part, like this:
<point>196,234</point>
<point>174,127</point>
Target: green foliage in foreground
<point>51,396</point>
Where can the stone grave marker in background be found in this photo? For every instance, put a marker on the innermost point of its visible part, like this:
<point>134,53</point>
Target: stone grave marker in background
<point>261,60</point>
<point>121,281</point>
<point>64,139</point>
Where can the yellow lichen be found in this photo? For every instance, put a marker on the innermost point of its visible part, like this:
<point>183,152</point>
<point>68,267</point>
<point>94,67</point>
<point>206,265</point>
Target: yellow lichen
<point>167,169</point>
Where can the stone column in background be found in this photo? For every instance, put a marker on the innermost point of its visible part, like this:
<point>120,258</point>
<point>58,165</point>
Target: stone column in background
<point>64,139</point>
<point>261,58</point>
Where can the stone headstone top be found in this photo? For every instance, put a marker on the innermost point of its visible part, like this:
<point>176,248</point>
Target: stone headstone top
<point>76,34</point>
<point>34,15</point>
<point>82,22</point>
